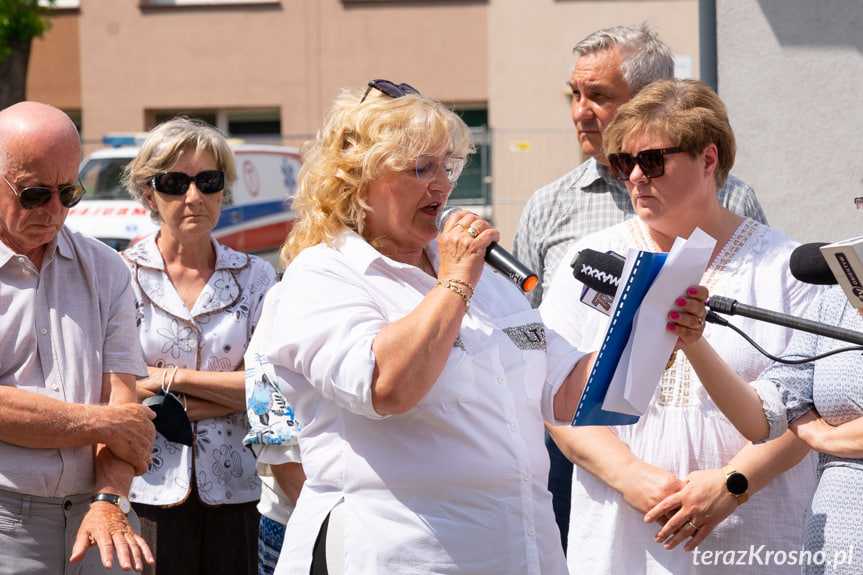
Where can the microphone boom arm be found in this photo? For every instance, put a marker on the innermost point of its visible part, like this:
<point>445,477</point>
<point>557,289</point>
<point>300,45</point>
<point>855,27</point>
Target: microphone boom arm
<point>730,306</point>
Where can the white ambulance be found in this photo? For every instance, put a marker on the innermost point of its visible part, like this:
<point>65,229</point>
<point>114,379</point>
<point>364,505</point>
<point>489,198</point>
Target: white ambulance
<point>256,219</point>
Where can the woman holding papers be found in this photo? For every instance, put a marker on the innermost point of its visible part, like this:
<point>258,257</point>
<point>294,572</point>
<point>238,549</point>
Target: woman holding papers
<point>421,379</point>
<point>673,146</point>
<point>818,401</point>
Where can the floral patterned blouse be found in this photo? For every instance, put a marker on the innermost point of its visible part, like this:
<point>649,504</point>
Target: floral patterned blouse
<point>212,336</point>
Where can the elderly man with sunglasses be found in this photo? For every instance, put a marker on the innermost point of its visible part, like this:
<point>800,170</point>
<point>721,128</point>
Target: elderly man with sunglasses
<point>67,367</point>
<point>613,65</point>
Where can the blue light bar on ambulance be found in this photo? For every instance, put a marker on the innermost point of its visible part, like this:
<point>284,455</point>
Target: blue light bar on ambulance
<point>119,139</point>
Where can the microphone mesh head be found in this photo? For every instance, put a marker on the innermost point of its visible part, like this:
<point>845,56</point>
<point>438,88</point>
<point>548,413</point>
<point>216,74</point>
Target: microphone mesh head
<point>443,215</point>
<point>808,265</point>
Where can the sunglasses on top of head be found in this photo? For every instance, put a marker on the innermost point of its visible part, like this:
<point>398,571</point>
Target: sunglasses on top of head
<point>177,183</point>
<point>390,89</point>
<point>38,196</point>
<point>651,162</point>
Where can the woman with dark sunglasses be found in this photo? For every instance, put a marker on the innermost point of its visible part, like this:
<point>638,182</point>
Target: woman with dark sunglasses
<point>198,303</point>
<point>421,379</point>
<point>673,146</point>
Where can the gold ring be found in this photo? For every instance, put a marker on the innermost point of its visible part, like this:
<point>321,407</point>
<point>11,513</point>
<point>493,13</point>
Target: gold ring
<point>472,231</point>
<point>700,321</point>
<point>693,525</point>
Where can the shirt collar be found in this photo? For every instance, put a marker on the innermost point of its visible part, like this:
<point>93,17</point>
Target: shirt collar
<point>61,244</point>
<point>364,255</point>
<point>594,173</point>
<point>146,254</point>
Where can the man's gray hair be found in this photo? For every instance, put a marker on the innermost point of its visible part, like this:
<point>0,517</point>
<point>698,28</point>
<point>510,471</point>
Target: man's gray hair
<point>645,57</point>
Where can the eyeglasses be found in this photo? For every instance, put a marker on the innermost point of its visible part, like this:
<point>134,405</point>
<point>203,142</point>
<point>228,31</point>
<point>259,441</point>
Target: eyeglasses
<point>38,196</point>
<point>390,89</point>
<point>651,162</point>
<point>177,183</point>
<point>427,168</point>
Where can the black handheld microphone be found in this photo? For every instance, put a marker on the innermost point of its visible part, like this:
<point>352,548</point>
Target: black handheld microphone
<point>498,258</point>
<point>808,265</point>
<point>599,271</point>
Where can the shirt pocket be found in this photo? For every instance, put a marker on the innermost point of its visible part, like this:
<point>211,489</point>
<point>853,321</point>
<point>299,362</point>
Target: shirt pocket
<point>458,380</point>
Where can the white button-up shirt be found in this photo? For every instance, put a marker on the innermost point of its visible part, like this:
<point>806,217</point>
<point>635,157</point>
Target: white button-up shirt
<point>63,326</point>
<point>458,483</point>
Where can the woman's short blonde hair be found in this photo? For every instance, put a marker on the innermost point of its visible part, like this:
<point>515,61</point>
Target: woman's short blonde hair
<point>687,111</point>
<point>360,140</point>
<point>164,146</point>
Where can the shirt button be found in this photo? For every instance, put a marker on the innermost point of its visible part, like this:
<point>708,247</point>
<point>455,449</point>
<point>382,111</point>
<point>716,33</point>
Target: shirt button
<point>500,379</point>
<point>513,427</point>
<point>530,532</point>
<point>43,331</point>
<point>55,387</point>
<point>526,476</point>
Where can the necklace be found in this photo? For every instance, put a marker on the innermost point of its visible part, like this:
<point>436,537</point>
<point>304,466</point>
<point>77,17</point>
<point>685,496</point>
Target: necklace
<point>425,265</point>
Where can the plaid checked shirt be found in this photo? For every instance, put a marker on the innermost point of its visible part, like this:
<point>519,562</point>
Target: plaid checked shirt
<point>586,200</point>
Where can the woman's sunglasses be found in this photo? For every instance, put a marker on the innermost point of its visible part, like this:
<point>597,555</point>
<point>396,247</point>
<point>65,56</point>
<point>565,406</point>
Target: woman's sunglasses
<point>651,162</point>
<point>36,197</point>
<point>177,183</point>
<point>390,89</point>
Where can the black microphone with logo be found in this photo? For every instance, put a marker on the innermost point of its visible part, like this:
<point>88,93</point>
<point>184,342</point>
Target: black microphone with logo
<point>496,257</point>
<point>601,272</point>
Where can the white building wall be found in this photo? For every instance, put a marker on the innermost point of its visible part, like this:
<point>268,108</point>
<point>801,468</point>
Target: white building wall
<point>791,74</point>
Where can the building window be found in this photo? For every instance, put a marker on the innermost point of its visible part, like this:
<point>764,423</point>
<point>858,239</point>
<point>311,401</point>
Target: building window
<point>473,190</point>
<point>254,126</point>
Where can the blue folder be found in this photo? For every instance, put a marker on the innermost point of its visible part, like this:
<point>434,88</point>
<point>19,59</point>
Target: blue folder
<point>645,268</point>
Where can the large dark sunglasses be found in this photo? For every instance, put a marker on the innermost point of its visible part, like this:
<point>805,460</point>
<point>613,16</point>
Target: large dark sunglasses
<point>651,162</point>
<point>177,183</point>
<point>390,89</point>
<point>36,197</point>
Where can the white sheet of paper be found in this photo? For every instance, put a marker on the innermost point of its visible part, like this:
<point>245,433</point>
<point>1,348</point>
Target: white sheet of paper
<point>638,374</point>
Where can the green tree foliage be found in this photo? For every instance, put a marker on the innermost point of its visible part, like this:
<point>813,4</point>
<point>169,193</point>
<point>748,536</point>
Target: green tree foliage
<point>20,22</point>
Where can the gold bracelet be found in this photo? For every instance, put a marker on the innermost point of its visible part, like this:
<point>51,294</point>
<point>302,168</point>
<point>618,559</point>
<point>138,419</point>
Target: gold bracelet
<point>465,284</point>
<point>453,285</point>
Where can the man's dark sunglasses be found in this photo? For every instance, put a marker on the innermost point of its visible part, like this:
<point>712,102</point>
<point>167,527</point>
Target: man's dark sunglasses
<point>651,162</point>
<point>177,183</point>
<point>38,196</point>
<point>390,89</point>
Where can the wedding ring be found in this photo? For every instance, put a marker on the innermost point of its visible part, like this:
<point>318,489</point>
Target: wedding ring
<point>472,231</point>
<point>693,525</point>
<point>700,322</point>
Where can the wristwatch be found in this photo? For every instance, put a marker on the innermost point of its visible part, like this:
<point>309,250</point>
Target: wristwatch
<point>119,500</point>
<point>736,484</point>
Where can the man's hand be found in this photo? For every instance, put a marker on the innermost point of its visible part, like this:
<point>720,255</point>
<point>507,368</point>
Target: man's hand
<point>108,528</point>
<point>133,443</point>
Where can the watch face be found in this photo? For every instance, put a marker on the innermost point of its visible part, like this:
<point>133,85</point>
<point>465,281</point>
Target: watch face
<point>124,505</point>
<point>737,483</point>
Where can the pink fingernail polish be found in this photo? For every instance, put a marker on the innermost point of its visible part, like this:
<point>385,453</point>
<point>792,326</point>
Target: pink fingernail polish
<point>674,315</point>
<point>671,327</point>
<point>693,291</point>
<point>681,302</point>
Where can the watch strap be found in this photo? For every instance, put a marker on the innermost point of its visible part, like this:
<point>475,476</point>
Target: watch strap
<point>119,500</point>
